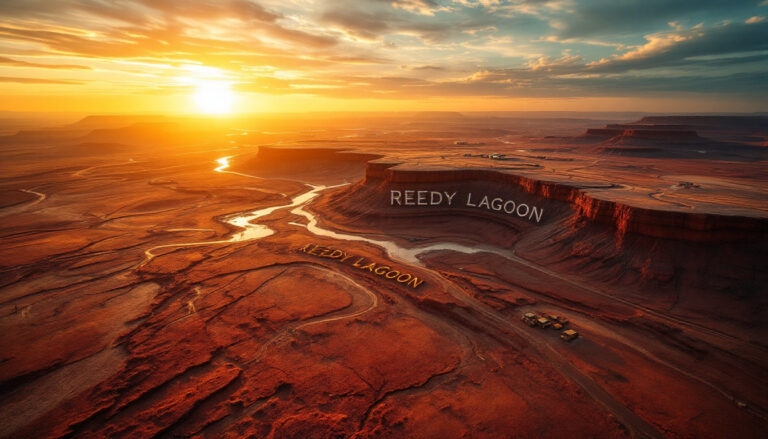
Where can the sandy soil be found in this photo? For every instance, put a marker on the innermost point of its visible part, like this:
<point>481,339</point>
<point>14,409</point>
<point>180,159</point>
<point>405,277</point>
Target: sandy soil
<point>131,306</point>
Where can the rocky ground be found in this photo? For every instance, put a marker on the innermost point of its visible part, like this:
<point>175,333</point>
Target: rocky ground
<point>127,309</point>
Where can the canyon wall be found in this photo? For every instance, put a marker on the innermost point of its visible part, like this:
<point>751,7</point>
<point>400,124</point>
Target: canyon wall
<point>586,203</point>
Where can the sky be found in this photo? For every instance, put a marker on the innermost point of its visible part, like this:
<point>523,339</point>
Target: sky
<point>177,56</point>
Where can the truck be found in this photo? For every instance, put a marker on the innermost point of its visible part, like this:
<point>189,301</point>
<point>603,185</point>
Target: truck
<point>558,319</point>
<point>529,318</point>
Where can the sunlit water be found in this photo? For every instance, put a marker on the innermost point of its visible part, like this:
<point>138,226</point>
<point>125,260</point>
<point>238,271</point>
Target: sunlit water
<point>394,251</point>
<point>244,221</point>
<point>251,230</point>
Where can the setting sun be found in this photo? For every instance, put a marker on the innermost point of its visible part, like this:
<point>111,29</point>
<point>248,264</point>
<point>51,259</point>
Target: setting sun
<point>214,97</point>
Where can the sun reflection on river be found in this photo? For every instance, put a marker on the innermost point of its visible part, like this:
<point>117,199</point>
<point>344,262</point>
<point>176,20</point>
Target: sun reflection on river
<point>223,163</point>
<point>252,231</point>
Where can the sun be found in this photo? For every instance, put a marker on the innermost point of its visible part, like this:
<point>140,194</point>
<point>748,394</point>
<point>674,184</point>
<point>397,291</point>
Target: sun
<point>214,97</point>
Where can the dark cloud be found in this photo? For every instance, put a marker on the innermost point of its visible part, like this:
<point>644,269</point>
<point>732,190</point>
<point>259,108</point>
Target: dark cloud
<point>375,19</point>
<point>686,49</point>
<point>677,48</point>
<point>665,64</point>
<point>611,17</point>
<point>358,22</point>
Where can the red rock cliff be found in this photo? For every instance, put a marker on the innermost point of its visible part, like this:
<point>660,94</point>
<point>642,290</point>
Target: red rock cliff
<point>624,217</point>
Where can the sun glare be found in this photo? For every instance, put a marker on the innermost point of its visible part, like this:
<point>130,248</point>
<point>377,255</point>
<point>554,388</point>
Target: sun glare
<point>214,97</point>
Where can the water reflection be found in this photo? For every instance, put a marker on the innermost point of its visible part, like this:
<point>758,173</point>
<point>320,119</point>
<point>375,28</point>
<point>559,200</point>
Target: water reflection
<point>251,231</point>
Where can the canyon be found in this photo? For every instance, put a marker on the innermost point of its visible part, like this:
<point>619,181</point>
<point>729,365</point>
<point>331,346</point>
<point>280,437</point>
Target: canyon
<point>182,278</point>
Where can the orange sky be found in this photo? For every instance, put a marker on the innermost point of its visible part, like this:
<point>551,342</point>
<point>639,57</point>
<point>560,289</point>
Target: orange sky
<point>183,103</point>
<point>151,56</point>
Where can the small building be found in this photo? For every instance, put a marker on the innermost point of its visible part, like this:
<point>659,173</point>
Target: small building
<point>569,335</point>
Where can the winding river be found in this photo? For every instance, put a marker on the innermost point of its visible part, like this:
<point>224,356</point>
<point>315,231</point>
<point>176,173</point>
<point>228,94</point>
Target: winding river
<point>245,221</point>
<point>252,231</point>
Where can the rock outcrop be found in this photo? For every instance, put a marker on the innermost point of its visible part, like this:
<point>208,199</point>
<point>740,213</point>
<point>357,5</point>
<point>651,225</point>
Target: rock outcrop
<point>592,203</point>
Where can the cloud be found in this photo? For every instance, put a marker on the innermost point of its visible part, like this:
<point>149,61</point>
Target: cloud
<point>696,60</point>
<point>37,80</point>
<point>192,24</point>
<point>493,85</point>
<point>421,7</point>
<point>139,11</point>
<point>424,67</point>
<point>610,17</point>
<point>201,9</point>
<point>359,59</point>
<point>376,19</point>
<point>678,47</point>
<point>405,49</point>
<point>19,63</point>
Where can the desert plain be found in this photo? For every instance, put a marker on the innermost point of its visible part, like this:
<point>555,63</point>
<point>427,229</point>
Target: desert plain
<point>174,277</point>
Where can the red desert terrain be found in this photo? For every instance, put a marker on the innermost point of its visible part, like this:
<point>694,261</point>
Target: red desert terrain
<point>369,277</point>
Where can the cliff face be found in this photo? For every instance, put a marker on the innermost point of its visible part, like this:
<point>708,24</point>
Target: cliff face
<point>683,257</point>
<point>326,166</point>
<point>662,131</point>
<point>604,132</point>
<point>660,134</point>
<point>754,123</point>
<point>583,201</point>
<point>641,126</point>
<point>650,138</point>
<point>716,280</point>
<point>704,264</point>
<point>594,203</point>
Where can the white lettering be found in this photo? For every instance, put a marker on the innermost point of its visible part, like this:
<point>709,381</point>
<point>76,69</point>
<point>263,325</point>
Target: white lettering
<point>421,198</point>
<point>469,200</point>
<point>394,196</point>
<point>538,212</point>
<point>409,198</point>
<point>426,197</point>
<point>435,198</point>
